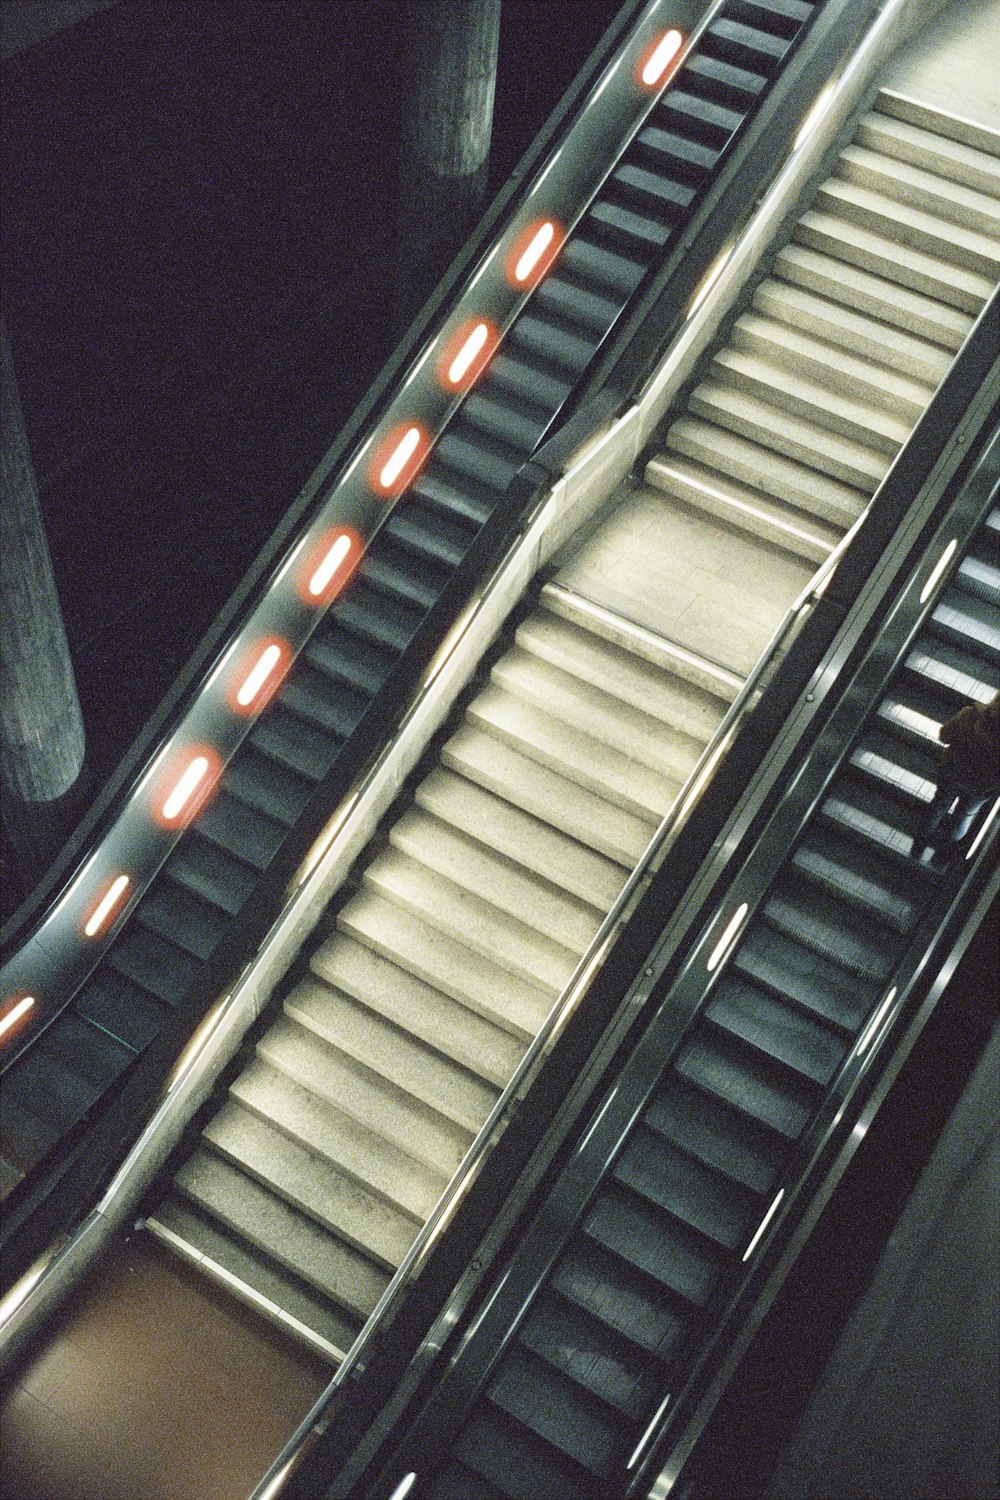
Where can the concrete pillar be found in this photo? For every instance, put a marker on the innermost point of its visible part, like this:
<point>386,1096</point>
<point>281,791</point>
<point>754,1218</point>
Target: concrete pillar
<point>41,729</point>
<point>450,52</point>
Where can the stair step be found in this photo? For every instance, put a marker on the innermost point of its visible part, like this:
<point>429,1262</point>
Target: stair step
<point>947,243</point>
<point>622,675</point>
<point>282,1233</point>
<point>310,1184</point>
<point>833,370</point>
<point>440,847</point>
<point>930,151</point>
<point>571,699</point>
<point>436,1081</point>
<point>782,387</point>
<point>489,989</point>
<point>590,762</point>
<point>619,835</point>
<point>378,1164</point>
<point>468,919</point>
<point>849,297</point>
<point>950,126</point>
<point>785,479</point>
<point>529,841</point>
<point>255,1271</point>
<point>415,1007</point>
<point>410,1126</point>
<point>738,505</point>
<point>918,189</point>
<point>893,259</point>
<point>793,437</point>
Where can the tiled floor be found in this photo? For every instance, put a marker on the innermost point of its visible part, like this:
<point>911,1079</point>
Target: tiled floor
<point>151,1385</point>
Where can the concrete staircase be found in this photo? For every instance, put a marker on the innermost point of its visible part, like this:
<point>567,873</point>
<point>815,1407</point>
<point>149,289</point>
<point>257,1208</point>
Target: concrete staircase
<point>798,420</point>
<point>464,926</point>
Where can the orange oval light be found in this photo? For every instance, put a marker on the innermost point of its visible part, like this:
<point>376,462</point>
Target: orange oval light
<point>259,675</point>
<point>657,62</point>
<point>398,458</point>
<point>108,906</point>
<point>16,1010</point>
<point>532,253</point>
<point>328,565</point>
<point>467,353</point>
<point>186,785</point>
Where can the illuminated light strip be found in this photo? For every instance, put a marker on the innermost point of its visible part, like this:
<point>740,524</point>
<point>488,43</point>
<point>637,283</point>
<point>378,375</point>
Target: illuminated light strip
<point>258,675</point>
<point>987,821</point>
<point>655,66</point>
<point>18,1009</point>
<point>532,253</point>
<point>255,684</point>
<point>329,563</point>
<point>868,1035</point>
<point>641,1444</point>
<point>762,1226</point>
<point>938,569</point>
<point>398,458</point>
<point>465,355</point>
<point>104,908</point>
<point>185,789</point>
<point>334,559</point>
<point>727,936</point>
<point>404,1486</point>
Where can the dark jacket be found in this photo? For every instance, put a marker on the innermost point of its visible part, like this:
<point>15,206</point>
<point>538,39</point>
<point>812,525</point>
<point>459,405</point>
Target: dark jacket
<point>971,759</point>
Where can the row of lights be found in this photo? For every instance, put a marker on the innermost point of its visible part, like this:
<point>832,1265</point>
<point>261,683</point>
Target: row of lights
<point>188,779</point>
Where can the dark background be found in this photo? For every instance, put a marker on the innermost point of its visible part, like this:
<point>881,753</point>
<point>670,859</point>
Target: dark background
<point>199,204</point>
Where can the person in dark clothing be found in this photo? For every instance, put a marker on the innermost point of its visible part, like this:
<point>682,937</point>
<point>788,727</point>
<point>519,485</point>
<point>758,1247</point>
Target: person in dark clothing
<point>969,774</point>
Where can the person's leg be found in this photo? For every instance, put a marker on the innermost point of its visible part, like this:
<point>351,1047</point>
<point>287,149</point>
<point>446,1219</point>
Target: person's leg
<point>927,837</point>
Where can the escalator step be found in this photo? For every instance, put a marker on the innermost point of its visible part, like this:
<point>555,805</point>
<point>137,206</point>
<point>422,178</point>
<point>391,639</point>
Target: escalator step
<point>597,264</point>
<point>296,744</point>
<point>653,193</point>
<point>394,572</point>
<point>702,1199</point>
<point>540,387</point>
<point>898,767</point>
<point>486,1444</point>
<point>706,1129</point>
<point>131,1015</point>
<point>54,1096</point>
<point>440,488</point>
<point>562,299</point>
<point>969,621</point>
<point>872,818</point>
<point>559,1411</point>
<point>787,969</point>
<point>953,675</point>
<point>428,534</point>
<point>376,616</point>
<point>775,1030</point>
<point>210,873</point>
<point>738,88</point>
<point>980,576</point>
<point>744,46</point>
<point>619,1295</point>
<point>27,1137</point>
<point>540,339</point>
<point>335,711</point>
<point>882,892</point>
<point>261,782</point>
<point>458,1482</point>
<point>749,1083</point>
<point>182,918</point>
<point>687,160</point>
<point>784,17</point>
<point>84,1050</point>
<point>589,1354</point>
<point>344,657</point>
<point>649,1239</point>
<point>510,418</point>
<point>641,233</point>
<point>241,830</point>
<point>831,929</point>
<point>472,453</point>
<point>160,967</point>
<point>705,122</point>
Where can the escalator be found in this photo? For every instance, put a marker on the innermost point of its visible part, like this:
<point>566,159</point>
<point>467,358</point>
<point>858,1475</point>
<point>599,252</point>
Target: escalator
<point>467,923</point>
<point>620,1283</point>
